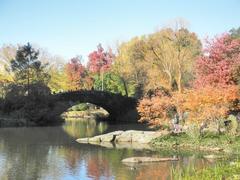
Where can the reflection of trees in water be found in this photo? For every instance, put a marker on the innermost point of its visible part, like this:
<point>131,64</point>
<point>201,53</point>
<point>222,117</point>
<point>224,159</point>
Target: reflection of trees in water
<point>156,171</point>
<point>106,163</point>
<point>24,160</point>
<point>98,167</point>
<point>78,128</point>
<point>99,162</point>
<point>72,156</point>
<point>49,153</point>
<point>163,170</point>
<point>24,157</point>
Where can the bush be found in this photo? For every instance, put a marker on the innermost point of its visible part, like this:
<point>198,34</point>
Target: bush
<point>156,108</point>
<point>202,106</point>
<point>193,133</point>
<point>37,107</point>
<point>80,107</point>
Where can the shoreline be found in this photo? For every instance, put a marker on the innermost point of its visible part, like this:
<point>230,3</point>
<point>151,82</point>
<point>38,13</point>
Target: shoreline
<point>158,140</point>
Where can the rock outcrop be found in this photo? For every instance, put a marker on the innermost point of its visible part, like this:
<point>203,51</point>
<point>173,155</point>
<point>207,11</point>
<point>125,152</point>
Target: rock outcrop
<point>147,159</point>
<point>143,137</point>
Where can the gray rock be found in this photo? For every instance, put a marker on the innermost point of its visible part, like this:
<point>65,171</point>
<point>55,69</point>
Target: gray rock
<point>109,137</point>
<point>82,140</point>
<point>143,137</point>
<point>132,145</point>
<point>147,159</point>
<point>95,139</point>
<point>124,137</point>
<point>146,137</point>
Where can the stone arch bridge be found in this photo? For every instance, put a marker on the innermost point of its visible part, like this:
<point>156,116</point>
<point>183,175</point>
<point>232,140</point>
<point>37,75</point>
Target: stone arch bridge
<point>120,108</point>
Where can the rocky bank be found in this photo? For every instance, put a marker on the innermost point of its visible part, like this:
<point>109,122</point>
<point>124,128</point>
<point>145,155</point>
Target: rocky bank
<point>134,136</point>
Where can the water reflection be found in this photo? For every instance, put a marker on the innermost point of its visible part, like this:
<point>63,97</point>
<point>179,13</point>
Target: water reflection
<point>78,128</point>
<point>50,153</point>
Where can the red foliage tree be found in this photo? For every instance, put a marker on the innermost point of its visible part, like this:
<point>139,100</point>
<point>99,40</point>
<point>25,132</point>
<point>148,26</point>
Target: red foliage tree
<point>75,72</point>
<point>215,94</point>
<point>219,60</point>
<point>155,108</point>
<point>100,60</point>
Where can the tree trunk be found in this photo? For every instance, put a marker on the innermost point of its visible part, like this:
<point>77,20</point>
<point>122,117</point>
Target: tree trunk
<point>179,82</point>
<point>170,80</point>
<point>102,79</point>
<point>28,73</point>
<point>125,86</point>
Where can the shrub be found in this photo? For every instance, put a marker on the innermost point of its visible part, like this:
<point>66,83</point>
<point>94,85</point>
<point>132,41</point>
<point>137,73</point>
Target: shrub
<point>202,106</point>
<point>80,107</point>
<point>156,109</point>
<point>209,104</point>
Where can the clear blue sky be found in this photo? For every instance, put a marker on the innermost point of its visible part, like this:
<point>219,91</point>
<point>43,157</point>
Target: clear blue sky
<point>75,27</point>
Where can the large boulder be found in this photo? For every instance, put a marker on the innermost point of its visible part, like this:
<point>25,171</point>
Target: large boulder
<point>143,137</point>
<point>95,139</point>
<point>126,136</point>
<point>109,137</point>
<point>133,145</point>
<point>138,136</point>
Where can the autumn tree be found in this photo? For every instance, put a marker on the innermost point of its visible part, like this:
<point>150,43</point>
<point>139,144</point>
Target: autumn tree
<point>203,106</point>
<point>220,62</point>
<point>75,72</point>
<point>7,53</point>
<point>58,81</point>
<point>164,58</point>
<point>100,61</point>
<point>130,65</point>
<point>209,104</point>
<point>172,53</point>
<point>156,108</point>
<point>215,93</point>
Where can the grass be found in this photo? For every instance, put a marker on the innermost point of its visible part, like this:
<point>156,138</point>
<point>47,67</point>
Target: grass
<point>223,170</point>
<point>193,142</point>
<point>208,142</point>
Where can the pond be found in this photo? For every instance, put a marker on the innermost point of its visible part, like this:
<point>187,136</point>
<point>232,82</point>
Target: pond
<point>51,153</point>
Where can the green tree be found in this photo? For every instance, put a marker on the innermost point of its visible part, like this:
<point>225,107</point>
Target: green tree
<point>57,82</point>
<point>27,68</point>
<point>112,83</point>
<point>129,65</point>
<point>235,33</point>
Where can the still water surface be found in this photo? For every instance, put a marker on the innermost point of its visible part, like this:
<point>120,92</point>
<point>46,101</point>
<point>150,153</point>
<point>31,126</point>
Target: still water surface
<point>51,153</point>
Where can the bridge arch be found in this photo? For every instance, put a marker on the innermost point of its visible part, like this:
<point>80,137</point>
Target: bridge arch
<point>119,107</point>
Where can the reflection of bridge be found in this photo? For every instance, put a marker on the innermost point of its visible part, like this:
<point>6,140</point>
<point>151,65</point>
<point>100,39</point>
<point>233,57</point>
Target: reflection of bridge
<point>118,106</point>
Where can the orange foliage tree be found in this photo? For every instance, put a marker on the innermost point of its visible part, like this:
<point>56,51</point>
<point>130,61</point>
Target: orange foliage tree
<point>204,105</point>
<point>156,108</point>
<point>208,104</point>
<point>215,93</point>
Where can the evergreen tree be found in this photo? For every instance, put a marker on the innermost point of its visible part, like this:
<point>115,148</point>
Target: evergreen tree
<point>27,68</point>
